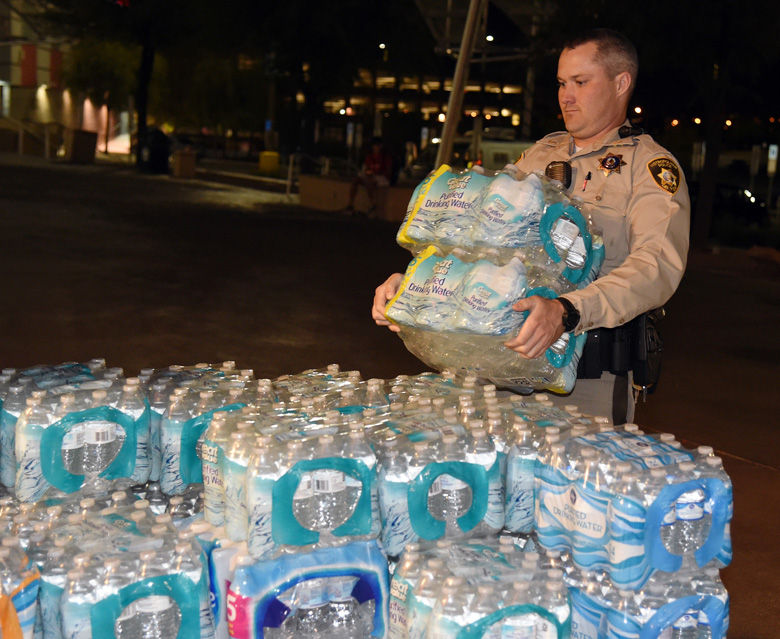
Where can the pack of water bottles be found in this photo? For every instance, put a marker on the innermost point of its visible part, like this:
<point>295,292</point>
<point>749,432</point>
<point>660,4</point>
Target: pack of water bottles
<point>70,427</point>
<point>337,592</point>
<point>683,605</point>
<point>482,242</point>
<point>632,504</point>
<point>485,588</point>
<point>104,568</point>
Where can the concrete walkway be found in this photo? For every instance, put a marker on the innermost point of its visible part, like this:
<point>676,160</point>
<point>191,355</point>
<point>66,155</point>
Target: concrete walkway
<point>149,271</point>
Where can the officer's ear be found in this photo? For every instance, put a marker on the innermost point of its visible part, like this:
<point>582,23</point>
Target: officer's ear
<point>622,83</point>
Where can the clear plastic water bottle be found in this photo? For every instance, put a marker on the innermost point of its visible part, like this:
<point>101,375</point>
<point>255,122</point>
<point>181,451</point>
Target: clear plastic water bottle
<point>555,600</point>
<point>234,467</point>
<point>331,498</point>
<point>214,444</point>
<point>357,448</point>
<point>13,405</point>
<point>623,613</point>
<point>425,598</point>
<point>263,470</point>
<point>394,478</point>
<point>187,562</point>
<point>481,451</point>
<point>455,494</point>
<point>709,584</point>
<point>519,626</point>
<point>343,615</point>
<point>99,441</point>
<point>311,616</point>
<point>450,613</point>
<point>690,526</point>
<point>521,462</point>
<point>132,403</point>
<point>76,604</point>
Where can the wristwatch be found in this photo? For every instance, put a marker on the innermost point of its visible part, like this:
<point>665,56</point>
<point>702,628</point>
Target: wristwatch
<point>571,316</point>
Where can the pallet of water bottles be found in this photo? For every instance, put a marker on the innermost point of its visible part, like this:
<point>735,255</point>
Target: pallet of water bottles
<point>311,480</point>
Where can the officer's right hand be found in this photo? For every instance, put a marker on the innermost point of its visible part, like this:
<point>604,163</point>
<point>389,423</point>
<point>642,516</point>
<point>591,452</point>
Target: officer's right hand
<point>384,292</point>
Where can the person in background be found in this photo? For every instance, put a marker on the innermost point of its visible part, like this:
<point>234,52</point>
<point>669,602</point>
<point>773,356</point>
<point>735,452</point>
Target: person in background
<point>634,193</point>
<point>376,172</point>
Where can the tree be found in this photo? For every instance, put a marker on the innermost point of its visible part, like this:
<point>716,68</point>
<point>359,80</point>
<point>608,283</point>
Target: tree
<point>103,71</point>
<point>150,26</point>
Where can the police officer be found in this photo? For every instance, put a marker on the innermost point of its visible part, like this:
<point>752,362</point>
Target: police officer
<point>633,191</point>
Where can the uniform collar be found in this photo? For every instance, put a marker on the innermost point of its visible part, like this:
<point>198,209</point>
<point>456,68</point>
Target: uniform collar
<point>564,142</point>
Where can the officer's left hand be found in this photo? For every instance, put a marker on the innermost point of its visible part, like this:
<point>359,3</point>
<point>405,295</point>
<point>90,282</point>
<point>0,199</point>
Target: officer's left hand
<point>541,328</point>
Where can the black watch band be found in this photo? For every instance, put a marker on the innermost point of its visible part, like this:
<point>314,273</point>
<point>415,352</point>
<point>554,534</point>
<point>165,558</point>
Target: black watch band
<point>571,316</point>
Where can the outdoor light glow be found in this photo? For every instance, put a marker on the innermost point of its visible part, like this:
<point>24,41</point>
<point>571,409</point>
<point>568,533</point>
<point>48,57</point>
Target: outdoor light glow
<point>488,116</point>
<point>515,119</point>
<point>382,45</point>
<point>753,199</point>
<point>697,120</point>
<point>342,111</point>
<point>728,122</point>
<point>506,113</point>
<point>473,114</point>
<point>442,117</point>
<point>435,140</point>
<point>748,193</point>
<point>637,109</point>
<point>675,122</point>
<point>489,38</point>
<point>349,111</point>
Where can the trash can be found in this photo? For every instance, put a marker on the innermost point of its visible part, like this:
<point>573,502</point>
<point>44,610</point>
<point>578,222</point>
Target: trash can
<point>155,150</point>
<point>184,163</point>
<point>80,146</point>
<point>269,163</point>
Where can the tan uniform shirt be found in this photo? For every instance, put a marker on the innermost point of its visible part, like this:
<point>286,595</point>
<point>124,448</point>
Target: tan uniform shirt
<point>638,199</point>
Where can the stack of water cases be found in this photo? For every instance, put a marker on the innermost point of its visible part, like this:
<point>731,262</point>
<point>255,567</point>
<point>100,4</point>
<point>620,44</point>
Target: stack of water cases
<point>471,589</point>
<point>482,242</point>
<point>83,567</point>
<point>72,427</point>
<point>646,524</point>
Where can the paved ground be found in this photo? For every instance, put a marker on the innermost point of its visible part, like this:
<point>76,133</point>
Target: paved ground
<point>149,271</point>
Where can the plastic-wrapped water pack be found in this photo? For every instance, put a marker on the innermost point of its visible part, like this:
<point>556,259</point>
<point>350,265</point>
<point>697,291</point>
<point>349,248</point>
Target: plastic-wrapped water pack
<point>481,243</point>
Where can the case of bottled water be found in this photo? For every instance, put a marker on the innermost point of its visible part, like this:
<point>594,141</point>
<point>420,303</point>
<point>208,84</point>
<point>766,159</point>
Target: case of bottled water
<point>81,435</point>
<point>437,479</point>
<point>632,504</point>
<point>683,605</point>
<point>479,588</point>
<point>17,386</point>
<point>338,591</point>
<point>481,243</point>
<point>108,568</point>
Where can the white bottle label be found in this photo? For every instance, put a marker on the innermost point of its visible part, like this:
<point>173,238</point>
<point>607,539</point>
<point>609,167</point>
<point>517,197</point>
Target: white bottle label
<point>100,432</point>
<point>328,481</point>
<point>564,234</point>
<point>304,490</point>
<point>690,505</point>
<point>74,438</point>
<point>153,603</point>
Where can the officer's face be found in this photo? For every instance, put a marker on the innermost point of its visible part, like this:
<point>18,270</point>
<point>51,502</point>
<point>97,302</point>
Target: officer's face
<point>589,99</point>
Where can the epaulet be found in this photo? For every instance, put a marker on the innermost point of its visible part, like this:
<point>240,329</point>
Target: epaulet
<point>554,139</point>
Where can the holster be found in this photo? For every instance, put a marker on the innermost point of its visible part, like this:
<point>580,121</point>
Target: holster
<point>635,346</point>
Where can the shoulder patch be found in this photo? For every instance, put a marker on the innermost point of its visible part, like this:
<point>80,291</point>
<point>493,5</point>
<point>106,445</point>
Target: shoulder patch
<point>665,173</point>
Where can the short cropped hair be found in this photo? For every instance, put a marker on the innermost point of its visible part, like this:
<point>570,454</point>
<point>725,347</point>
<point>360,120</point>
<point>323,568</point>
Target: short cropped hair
<point>614,51</point>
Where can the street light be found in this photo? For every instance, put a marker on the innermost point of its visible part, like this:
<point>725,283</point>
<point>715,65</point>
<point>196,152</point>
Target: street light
<point>382,45</point>
<point>697,120</point>
<point>638,110</point>
<point>489,38</point>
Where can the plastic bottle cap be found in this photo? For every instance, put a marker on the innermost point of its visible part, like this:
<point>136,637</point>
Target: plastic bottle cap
<point>112,563</point>
<point>11,541</point>
<point>119,495</point>
<point>163,518</point>
<point>704,450</point>
<point>630,428</point>
<point>552,438</point>
<point>74,518</point>
<point>666,437</point>
<point>552,430</point>
<point>148,555</point>
<point>99,394</point>
<point>588,452</point>
<point>60,542</point>
<point>159,529</point>
<point>601,419</point>
<point>521,585</point>
<point>477,431</point>
<point>714,461</point>
<point>138,515</point>
<point>571,408</point>
<point>75,574</point>
<point>87,503</point>
<point>687,467</point>
<point>658,472</point>
<point>449,439</point>
<point>141,504</point>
